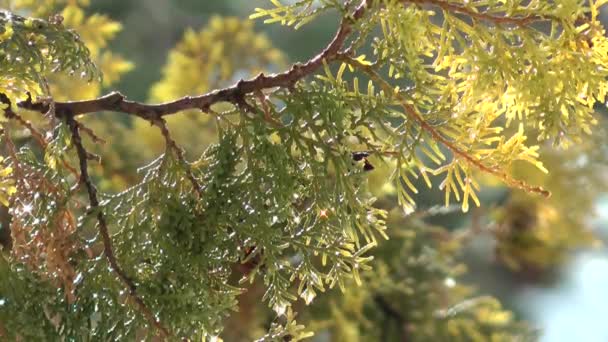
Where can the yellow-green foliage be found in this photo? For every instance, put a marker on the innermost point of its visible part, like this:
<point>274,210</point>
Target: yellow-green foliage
<point>471,79</point>
<point>6,184</point>
<point>297,14</point>
<point>96,31</point>
<point>43,8</point>
<point>32,48</point>
<point>274,203</point>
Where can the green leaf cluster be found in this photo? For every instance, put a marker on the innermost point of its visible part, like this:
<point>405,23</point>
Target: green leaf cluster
<point>31,49</point>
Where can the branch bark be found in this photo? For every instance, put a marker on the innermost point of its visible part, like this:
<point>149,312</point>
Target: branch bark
<point>117,102</point>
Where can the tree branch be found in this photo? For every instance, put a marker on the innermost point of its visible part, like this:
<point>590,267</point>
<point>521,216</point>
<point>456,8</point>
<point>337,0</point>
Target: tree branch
<point>103,228</point>
<point>154,113</point>
<point>117,102</point>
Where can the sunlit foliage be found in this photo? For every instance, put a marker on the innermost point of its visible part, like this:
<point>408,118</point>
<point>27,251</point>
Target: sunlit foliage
<point>33,48</point>
<point>285,195</point>
<point>6,183</point>
<point>226,45</point>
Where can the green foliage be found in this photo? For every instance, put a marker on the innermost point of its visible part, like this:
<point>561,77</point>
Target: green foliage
<point>284,192</point>
<point>297,14</point>
<point>32,48</point>
<point>283,230</point>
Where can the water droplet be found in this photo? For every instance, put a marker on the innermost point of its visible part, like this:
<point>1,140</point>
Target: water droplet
<point>280,308</point>
<point>308,295</point>
<point>27,209</point>
<point>449,282</point>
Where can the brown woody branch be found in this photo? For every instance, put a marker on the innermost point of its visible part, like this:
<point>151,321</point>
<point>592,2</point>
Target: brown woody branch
<point>103,227</point>
<point>117,102</point>
<point>235,94</point>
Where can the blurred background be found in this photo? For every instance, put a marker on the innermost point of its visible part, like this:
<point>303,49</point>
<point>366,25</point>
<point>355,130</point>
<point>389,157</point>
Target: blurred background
<point>544,259</point>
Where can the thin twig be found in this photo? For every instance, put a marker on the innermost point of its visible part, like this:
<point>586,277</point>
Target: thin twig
<point>179,152</point>
<point>103,228</point>
<point>496,19</point>
<point>413,113</point>
<point>96,139</point>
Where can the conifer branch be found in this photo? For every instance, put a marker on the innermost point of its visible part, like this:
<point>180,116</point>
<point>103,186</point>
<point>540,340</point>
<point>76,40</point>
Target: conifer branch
<point>116,102</point>
<point>284,190</point>
<point>496,19</point>
<point>9,113</point>
<point>154,113</point>
<point>179,152</point>
<point>103,228</point>
<point>235,94</point>
<point>413,113</point>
